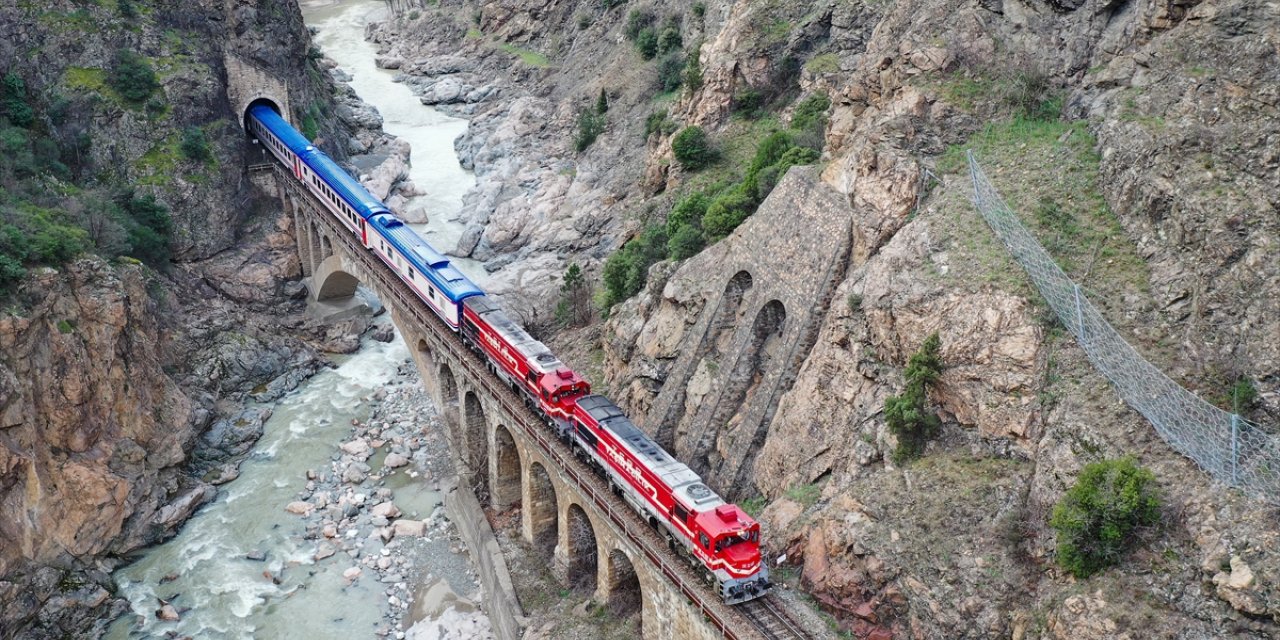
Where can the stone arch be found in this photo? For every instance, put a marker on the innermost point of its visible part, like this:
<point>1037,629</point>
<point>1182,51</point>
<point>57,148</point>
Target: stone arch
<point>326,247</point>
<point>624,593</point>
<point>332,281</point>
<point>448,394</point>
<point>505,483</point>
<point>316,256</point>
<point>476,446</point>
<point>716,343</point>
<point>424,353</point>
<point>540,508</point>
<point>760,356</point>
<point>728,313</point>
<point>302,228</point>
<point>581,551</point>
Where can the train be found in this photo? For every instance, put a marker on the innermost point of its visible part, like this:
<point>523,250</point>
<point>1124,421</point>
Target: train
<point>713,534</point>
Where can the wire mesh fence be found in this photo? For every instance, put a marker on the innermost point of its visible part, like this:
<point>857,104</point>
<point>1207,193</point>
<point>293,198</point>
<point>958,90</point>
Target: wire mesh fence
<point>1230,448</point>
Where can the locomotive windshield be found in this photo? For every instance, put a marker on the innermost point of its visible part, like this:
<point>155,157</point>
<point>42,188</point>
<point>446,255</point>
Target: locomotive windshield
<point>738,537</point>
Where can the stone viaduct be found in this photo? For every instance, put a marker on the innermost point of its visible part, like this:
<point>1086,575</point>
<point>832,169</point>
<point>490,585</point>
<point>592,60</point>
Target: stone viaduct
<point>506,458</point>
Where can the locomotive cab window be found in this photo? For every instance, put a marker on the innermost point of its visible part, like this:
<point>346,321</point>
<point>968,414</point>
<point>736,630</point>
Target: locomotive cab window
<point>706,542</point>
<point>680,512</point>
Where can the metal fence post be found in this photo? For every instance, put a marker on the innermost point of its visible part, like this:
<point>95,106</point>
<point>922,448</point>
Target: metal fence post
<point>1235,450</point>
<point>1079,315</point>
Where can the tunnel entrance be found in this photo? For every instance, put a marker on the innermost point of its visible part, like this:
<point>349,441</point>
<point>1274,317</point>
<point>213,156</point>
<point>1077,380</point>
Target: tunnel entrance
<point>264,102</point>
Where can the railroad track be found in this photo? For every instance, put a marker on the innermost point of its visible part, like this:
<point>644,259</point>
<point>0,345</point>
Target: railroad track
<point>768,618</point>
<point>771,619</point>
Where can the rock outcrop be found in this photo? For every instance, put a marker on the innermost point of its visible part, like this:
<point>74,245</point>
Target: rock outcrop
<point>121,385</point>
<point>1136,139</point>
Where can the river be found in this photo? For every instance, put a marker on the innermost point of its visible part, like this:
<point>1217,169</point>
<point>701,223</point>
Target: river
<point>434,163</point>
<point>206,570</point>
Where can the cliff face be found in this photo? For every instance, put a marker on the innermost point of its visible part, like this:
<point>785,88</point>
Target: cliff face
<point>119,382</point>
<point>1134,138</point>
<point>1169,234</point>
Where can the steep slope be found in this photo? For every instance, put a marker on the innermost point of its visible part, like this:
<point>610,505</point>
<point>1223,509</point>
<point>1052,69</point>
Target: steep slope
<point>120,382</point>
<point>1135,139</point>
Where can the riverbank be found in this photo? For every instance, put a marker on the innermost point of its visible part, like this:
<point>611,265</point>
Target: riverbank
<point>335,524</point>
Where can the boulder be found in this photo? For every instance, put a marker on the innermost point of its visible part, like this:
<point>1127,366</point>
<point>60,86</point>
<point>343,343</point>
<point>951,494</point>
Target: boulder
<point>416,528</point>
<point>386,509</point>
<point>299,507</point>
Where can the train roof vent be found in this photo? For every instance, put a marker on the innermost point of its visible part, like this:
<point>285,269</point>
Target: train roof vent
<point>699,492</point>
<point>726,513</point>
<point>310,148</point>
<point>546,357</point>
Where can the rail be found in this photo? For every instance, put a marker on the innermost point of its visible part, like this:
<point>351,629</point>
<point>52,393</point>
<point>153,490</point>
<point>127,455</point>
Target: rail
<point>588,484</point>
<point>772,620</point>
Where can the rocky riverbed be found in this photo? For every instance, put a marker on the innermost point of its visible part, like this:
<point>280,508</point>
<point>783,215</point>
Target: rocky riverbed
<point>334,524</point>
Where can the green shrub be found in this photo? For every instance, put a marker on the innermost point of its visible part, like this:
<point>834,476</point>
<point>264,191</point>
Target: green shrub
<point>13,101</point>
<point>748,103</point>
<point>647,43</point>
<point>693,70</point>
<point>310,125</point>
<point>415,14</point>
<point>610,4</point>
<point>148,229</point>
<point>907,415</point>
<point>1097,520</point>
<point>194,146</point>
<point>699,9</point>
<point>574,307</point>
<point>811,113</point>
<point>16,157</point>
<point>11,271</point>
<point>691,148</point>
<point>670,73</point>
<point>127,10</point>
<point>602,103</point>
<point>637,20</point>
<point>658,122</point>
<point>56,243</point>
<point>1243,395</point>
<point>769,177</point>
<point>590,126</point>
<point>670,39</point>
<point>627,269</point>
<point>132,77</point>
<point>728,211</point>
<point>155,106</point>
<point>584,21</point>
<point>686,242</point>
<point>687,211</point>
<point>768,152</point>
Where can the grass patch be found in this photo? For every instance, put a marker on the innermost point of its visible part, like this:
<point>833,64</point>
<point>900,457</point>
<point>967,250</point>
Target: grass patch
<point>823,63</point>
<point>805,494</point>
<point>86,79</point>
<point>1047,171</point>
<point>529,58</point>
<point>160,162</point>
